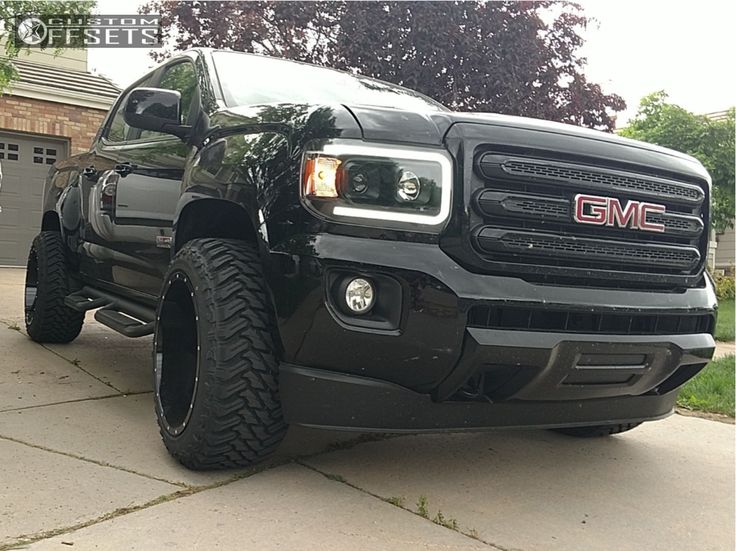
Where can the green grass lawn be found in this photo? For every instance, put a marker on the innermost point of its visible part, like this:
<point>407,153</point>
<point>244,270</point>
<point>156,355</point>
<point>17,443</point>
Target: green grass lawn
<point>724,327</point>
<point>711,390</point>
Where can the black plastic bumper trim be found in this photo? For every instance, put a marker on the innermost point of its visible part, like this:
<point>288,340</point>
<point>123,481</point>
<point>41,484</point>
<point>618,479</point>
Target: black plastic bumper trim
<point>556,357</point>
<point>320,398</point>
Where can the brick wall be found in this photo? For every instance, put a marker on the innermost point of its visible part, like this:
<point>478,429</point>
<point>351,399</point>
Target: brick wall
<point>78,124</point>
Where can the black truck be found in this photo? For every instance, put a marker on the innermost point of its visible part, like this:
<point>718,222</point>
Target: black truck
<point>312,247</point>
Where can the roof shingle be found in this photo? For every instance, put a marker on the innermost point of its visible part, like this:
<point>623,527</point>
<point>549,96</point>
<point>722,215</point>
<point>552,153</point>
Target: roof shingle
<point>59,78</point>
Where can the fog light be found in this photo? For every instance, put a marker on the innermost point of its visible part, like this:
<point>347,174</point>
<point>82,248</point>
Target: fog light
<point>359,295</point>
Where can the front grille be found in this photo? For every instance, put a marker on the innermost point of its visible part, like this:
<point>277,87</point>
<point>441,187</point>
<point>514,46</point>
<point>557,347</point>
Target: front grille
<point>594,178</point>
<point>563,321</point>
<point>592,251</point>
<point>521,205</point>
<point>521,220</point>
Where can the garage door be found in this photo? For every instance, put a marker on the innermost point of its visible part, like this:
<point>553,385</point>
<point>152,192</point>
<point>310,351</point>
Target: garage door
<point>25,163</point>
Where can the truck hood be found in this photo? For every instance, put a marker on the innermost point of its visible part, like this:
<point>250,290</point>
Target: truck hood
<point>432,128</point>
<point>438,128</point>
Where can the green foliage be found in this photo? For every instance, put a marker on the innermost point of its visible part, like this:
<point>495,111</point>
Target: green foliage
<point>397,501</point>
<point>709,141</point>
<point>711,390</point>
<point>423,507</point>
<point>725,287</point>
<point>518,58</point>
<point>440,519</point>
<point>13,11</point>
<point>725,325</point>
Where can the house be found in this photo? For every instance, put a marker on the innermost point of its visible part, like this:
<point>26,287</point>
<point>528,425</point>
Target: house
<point>52,111</point>
<point>725,257</point>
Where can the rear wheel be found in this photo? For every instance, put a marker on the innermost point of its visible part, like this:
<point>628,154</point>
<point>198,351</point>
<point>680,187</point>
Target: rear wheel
<point>215,358</point>
<point>597,430</point>
<point>47,318</point>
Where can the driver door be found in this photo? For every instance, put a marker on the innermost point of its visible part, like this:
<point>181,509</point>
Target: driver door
<point>137,194</point>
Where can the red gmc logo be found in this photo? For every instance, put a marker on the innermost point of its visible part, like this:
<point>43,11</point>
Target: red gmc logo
<point>607,211</point>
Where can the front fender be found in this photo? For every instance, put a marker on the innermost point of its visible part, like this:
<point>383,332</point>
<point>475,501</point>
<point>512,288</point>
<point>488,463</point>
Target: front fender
<point>250,171</point>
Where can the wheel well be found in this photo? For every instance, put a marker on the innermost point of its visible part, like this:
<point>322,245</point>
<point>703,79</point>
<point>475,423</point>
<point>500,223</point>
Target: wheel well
<point>50,222</point>
<point>213,218</point>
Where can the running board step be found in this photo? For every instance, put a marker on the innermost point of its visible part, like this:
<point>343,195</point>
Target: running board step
<point>82,303</point>
<point>120,314</point>
<point>124,324</point>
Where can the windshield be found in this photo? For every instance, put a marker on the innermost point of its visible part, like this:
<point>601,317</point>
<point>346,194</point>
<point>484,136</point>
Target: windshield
<point>252,80</point>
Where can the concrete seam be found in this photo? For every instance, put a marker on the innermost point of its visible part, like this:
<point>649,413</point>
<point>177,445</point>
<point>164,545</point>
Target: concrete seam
<point>341,480</point>
<point>78,365</point>
<point>93,461</point>
<point>14,327</point>
<point>77,400</point>
<point>186,491</point>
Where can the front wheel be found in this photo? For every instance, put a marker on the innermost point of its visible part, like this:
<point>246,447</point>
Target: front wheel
<point>215,358</point>
<point>597,430</point>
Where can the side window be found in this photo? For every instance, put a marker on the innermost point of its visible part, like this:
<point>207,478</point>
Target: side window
<point>117,130</point>
<point>181,77</point>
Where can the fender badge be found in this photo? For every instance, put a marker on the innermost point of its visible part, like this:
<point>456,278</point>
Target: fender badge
<point>163,241</point>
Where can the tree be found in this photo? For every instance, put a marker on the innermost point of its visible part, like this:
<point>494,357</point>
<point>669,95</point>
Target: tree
<point>709,141</point>
<point>13,12</point>
<point>518,58</point>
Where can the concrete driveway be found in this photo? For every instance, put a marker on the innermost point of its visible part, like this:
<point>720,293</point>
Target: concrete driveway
<point>83,468</point>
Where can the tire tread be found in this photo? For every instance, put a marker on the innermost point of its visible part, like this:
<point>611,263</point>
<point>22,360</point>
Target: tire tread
<point>240,421</point>
<point>53,320</point>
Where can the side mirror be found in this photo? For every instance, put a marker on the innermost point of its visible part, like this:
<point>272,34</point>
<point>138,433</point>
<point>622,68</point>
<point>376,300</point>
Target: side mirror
<point>157,110</point>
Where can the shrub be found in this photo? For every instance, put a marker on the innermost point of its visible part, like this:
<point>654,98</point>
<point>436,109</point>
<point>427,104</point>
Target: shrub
<point>725,287</point>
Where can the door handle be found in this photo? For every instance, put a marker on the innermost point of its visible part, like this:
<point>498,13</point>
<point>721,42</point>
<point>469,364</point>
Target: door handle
<point>125,168</point>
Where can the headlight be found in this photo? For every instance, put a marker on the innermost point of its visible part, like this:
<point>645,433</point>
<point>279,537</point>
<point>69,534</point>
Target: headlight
<point>378,185</point>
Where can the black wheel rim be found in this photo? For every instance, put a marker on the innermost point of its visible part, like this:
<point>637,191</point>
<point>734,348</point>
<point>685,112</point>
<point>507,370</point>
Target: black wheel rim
<point>176,355</point>
<point>31,288</point>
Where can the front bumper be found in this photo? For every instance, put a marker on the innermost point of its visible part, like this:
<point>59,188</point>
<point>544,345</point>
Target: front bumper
<point>325,399</point>
<point>322,398</point>
<point>436,372</point>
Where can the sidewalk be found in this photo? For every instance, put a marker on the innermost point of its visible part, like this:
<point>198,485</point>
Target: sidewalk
<point>724,349</point>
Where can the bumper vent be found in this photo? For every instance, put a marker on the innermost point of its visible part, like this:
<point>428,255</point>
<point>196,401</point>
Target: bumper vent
<point>610,323</point>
